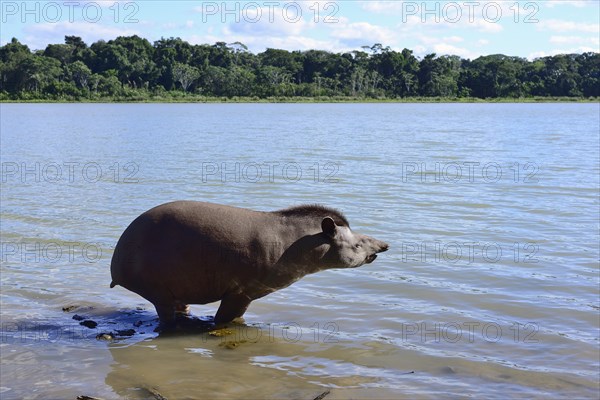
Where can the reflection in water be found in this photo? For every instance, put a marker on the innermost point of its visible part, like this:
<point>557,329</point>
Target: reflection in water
<point>244,363</point>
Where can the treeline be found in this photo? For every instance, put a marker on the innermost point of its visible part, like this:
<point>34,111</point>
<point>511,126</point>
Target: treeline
<point>133,68</point>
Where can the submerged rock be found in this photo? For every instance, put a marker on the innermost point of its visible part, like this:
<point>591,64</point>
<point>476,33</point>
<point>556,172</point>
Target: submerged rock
<point>88,323</point>
<point>105,336</point>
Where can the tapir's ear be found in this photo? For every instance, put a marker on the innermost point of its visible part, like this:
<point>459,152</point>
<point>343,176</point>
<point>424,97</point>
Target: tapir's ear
<point>328,226</point>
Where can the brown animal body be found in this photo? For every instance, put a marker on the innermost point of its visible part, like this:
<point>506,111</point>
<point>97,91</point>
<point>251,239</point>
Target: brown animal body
<point>189,252</point>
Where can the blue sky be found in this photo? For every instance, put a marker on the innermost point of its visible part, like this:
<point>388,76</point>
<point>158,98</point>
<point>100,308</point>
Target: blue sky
<point>465,28</point>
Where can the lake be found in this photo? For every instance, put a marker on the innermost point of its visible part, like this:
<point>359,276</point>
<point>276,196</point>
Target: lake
<point>490,288</point>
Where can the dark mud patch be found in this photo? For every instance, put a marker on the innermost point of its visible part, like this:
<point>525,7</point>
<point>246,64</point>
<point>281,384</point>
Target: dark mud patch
<point>112,325</point>
<point>96,322</point>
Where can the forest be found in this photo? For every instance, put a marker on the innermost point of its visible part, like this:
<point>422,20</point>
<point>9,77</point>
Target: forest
<point>131,68</point>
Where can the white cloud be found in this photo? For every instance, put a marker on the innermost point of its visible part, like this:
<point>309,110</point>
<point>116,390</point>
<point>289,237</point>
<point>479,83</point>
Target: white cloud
<point>255,22</point>
<point>485,15</point>
<point>453,39</point>
<point>304,35</point>
<point>261,27</point>
<point>260,43</point>
<point>433,39</point>
<point>381,7</point>
<point>537,54</point>
<point>448,49</point>
<point>40,35</point>
<point>268,12</point>
<point>357,34</point>
<point>574,50</point>
<point>575,3</point>
<point>557,25</point>
<point>274,27</point>
<point>485,26</point>
<point>252,19</point>
<point>170,25</point>
<point>178,25</point>
<point>441,46</point>
<point>449,10</point>
<point>483,42</point>
<point>420,50</point>
<point>205,39</point>
<point>575,40</point>
<point>412,22</point>
<point>364,30</point>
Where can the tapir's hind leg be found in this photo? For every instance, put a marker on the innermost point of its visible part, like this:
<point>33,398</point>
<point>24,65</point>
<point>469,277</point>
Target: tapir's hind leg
<point>232,306</point>
<point>166,314</point>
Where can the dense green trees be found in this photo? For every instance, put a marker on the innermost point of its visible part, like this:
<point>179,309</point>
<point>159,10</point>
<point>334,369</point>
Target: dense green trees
<point>133,68</point>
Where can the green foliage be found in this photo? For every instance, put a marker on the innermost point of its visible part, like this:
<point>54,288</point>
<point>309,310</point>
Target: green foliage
<point>64,90</point>
<point>184,74</point>
<point>79,73</point>
<point>130,68</point>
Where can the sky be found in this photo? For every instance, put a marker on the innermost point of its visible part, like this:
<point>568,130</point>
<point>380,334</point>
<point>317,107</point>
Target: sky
<point>465,28</point>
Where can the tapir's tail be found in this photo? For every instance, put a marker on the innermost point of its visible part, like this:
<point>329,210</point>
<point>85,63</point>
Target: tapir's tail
<point>112,285</point>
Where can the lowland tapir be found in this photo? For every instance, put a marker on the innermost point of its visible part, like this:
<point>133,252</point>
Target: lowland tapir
<point>190,252</point>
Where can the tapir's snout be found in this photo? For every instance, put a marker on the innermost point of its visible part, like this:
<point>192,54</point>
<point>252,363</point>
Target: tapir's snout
<point>379,247</point>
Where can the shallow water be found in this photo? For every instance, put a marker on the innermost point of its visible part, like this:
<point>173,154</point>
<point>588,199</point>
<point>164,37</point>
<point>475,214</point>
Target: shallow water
<point>490,287</point>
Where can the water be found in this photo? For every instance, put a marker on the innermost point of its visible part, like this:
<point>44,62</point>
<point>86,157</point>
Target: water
<point>490,288</point>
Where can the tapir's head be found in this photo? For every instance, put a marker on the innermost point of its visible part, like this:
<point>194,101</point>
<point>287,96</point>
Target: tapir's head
<point>348,249</point>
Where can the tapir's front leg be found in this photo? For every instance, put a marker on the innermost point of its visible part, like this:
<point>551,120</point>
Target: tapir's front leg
<point>232,306</point>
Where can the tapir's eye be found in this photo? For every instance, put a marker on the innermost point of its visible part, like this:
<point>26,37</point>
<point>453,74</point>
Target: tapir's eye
<point>357,245</point>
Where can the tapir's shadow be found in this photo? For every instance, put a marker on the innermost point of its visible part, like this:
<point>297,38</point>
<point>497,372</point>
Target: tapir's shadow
<point>187,325</point>
<point>116,324</point>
